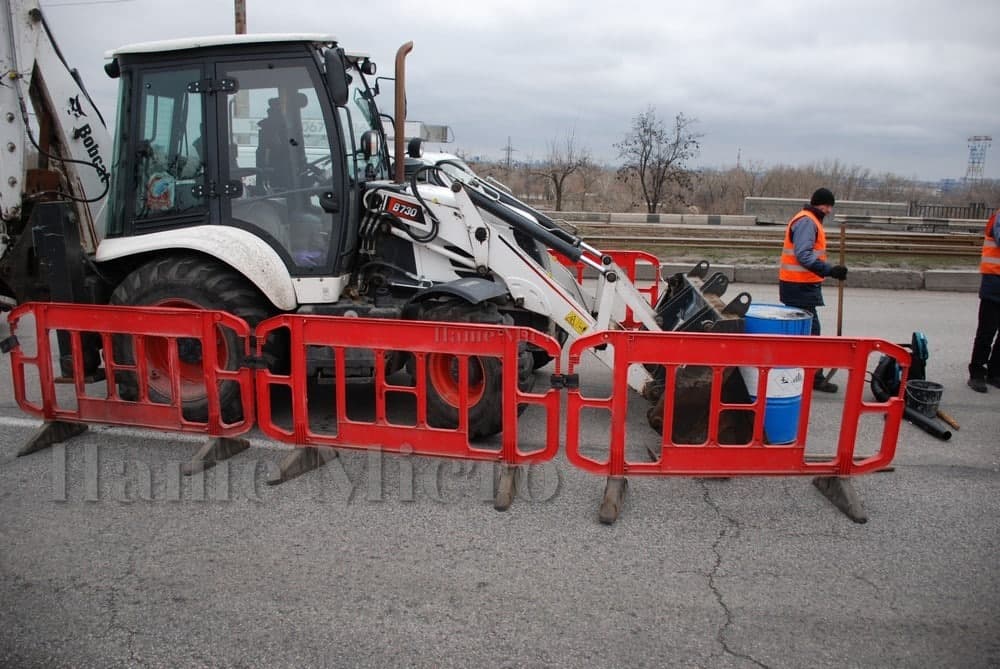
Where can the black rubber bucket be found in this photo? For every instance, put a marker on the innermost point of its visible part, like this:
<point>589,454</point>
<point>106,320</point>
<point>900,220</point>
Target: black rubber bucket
<point>924,396</point>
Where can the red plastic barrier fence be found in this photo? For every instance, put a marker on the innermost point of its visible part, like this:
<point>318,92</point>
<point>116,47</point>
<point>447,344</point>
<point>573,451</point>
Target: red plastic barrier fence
<point>188,348</point>
<point>678,353</point>
<point>451,347</point>
<point>176,356</point>
<point>629,261</point>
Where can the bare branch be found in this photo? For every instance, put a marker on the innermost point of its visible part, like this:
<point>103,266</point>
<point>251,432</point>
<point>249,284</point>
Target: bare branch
<point>656,157</point>
<point>565,158</point>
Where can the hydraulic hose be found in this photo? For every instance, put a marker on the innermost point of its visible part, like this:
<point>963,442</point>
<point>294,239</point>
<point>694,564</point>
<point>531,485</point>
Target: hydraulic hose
<point>537,232</point>
<point>475,183</point>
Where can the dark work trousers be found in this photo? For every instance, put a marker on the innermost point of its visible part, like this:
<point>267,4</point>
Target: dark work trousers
<point>986,346</point>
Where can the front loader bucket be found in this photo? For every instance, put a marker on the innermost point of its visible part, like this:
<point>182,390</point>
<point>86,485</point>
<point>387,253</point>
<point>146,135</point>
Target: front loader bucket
<point>693,303</point>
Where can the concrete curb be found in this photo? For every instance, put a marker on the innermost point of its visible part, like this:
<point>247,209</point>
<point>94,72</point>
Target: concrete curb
<point>951,279</point>
<point>963,281</point>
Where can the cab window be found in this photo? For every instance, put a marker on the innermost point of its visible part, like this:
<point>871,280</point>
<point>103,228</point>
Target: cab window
<point>170,154</point>
<point>279,154</point>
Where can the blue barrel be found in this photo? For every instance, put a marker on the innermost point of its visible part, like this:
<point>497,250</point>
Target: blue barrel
<point>784,384</point>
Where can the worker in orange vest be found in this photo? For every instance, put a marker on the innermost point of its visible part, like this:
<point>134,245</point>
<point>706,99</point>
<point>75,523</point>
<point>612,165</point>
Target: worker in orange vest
<point>803,266</point>
<point>984,367</point>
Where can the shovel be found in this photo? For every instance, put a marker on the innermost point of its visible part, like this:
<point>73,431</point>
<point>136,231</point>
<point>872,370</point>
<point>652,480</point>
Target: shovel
<point>840,290</point>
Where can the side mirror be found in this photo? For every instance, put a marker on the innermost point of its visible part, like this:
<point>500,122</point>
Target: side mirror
<point>370,144</point>
<point>415,148</point>
<point>336,76</point>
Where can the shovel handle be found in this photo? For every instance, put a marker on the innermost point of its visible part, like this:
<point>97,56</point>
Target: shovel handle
<point>840,290</point>
<point>948,419</point>
<point>840,282</point>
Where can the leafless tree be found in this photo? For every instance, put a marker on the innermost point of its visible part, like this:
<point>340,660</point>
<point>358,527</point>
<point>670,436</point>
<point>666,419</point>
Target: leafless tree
<point>592,179</point>
<point>564,159</point>
<point>656,157</point>
<point>752,179</point>
<point>986,192</point>
<point>722,191</point>
<point>716,192</point>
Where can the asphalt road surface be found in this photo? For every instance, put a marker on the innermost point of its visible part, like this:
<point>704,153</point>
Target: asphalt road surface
<point>108,558</point>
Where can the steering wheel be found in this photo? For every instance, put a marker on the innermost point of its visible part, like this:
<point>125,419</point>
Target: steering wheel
<point>314,169</point>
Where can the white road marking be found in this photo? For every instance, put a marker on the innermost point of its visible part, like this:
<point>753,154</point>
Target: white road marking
<point>136,433</point>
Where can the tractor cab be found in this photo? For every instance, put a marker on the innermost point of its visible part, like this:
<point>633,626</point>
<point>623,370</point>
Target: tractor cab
<point>273,134</point>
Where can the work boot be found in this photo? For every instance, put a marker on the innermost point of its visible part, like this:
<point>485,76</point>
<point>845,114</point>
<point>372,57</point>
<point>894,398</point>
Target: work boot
<point>978,384</point>
<point>823,385</point>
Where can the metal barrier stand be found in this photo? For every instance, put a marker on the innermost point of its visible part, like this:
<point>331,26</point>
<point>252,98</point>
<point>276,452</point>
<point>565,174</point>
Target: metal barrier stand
<point>424,343</point>
<point>724,444</point>
<point>75,323</point>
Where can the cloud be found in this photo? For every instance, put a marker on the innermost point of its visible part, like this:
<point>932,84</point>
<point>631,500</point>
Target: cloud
<point>891,86</point>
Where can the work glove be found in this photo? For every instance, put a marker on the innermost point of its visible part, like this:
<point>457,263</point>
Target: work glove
<point>838,272</point>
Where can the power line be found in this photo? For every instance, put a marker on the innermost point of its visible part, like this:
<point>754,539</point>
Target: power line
<point>85,2</point>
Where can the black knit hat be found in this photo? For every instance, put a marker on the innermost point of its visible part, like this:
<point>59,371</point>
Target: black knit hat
<point>822,196</point>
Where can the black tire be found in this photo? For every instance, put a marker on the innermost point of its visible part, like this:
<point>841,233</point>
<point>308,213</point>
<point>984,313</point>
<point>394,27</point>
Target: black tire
<point>539,357</point>
<point>485,374</point>
<point>194,282</point>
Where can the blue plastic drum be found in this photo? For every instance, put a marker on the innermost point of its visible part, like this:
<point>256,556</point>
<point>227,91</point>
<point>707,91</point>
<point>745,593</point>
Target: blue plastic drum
<point>783,400</point>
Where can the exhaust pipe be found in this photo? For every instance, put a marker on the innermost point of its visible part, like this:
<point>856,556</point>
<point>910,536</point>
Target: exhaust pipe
<point>400,139</point>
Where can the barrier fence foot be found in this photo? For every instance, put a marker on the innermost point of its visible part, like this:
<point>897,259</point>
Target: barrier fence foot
<point>888,469</point>
<point>213,452</point>
<point>51,432</point>
<point>840,491</point>
<point>506,488</point>
<point>614,497</point>
<point>300,461</point>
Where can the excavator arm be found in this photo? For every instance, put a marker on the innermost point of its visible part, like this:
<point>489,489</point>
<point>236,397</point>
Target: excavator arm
<point>55,143</point>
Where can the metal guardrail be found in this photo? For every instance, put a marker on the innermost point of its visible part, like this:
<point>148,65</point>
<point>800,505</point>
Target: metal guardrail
<point>949,244</point>
<point>976,210</point>
<point>896,222</point>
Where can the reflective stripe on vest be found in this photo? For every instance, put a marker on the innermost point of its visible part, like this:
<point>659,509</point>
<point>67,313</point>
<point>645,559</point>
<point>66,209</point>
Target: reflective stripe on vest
<point>790,269</point>
<point>990,263</point>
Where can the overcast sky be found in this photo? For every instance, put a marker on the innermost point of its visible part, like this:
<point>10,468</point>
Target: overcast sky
<point>889,85</point>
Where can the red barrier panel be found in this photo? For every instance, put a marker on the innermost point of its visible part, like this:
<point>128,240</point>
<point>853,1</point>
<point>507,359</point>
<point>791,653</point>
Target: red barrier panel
<point>175,356</point>
<point>428,346</point>
<point>629,261</point>
<point>682,354</point>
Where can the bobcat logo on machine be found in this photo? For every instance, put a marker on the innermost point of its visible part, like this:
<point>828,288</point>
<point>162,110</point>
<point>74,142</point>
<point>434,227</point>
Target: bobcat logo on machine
<point>85,134</point>
<point>402,209</point>
<point>75,108</point>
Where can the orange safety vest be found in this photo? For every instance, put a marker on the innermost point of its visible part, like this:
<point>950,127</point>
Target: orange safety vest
<point>790,269</point>
<point>990,263</point>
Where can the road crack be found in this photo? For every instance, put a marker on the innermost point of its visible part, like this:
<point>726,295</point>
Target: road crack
<point>730,529</point>
<point>115,624</point>
<point>888,600</point>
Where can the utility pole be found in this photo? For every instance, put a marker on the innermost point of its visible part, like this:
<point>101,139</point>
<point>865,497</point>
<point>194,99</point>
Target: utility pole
<point>242,97</point>
<point>508,150</point>
<point>241,17</point>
